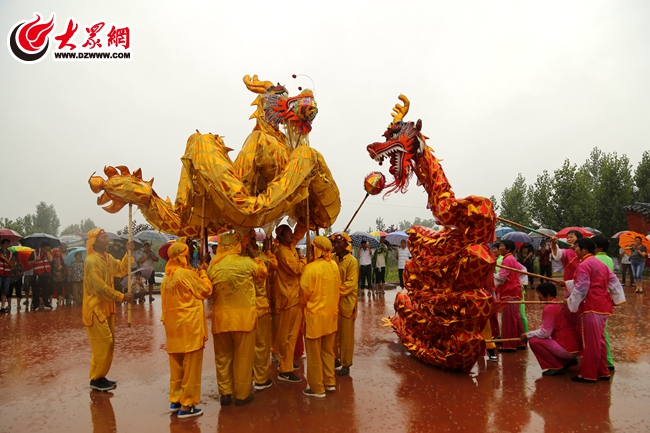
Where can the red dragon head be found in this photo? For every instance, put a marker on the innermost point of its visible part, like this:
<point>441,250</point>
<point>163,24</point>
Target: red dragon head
<point>404,143</point>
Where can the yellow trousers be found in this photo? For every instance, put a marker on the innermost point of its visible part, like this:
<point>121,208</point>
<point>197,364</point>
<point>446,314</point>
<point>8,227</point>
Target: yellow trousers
<point>345,341</point>
<point>288,329</point>
<point>102,344</point>
<point>233,356</point>
<point>275,324</point>
<point>320,362</point>
<point>262,349</point>
<point>487,335</point>
<point>185,377</point>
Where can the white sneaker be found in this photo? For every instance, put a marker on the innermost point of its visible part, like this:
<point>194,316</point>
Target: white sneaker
<point>309,393</point>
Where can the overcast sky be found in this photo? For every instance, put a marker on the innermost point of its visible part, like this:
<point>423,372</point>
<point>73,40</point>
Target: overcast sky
<point>501,88</point>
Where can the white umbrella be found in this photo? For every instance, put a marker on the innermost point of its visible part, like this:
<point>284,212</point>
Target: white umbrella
<point>72,241</point>
<point>396,237</point>
<point>151,236</point>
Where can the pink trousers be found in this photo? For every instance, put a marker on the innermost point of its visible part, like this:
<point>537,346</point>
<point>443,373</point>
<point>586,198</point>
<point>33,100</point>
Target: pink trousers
<point>594,361</point>
<point>511,325</point>
<point>549,353</point>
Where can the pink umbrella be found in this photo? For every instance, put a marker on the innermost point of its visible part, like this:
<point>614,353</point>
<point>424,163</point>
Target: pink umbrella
<point>13,236</point>
<point>562,234</point>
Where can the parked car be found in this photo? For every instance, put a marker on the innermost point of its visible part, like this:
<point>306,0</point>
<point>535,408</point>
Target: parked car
<point>158,276</point>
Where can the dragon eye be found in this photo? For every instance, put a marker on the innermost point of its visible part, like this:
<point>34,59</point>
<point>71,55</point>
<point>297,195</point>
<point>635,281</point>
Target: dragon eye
<point>393,135</point>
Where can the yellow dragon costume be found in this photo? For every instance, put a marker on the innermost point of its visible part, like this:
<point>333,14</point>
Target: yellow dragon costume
<point>272,176</point>
<point>445,305</point>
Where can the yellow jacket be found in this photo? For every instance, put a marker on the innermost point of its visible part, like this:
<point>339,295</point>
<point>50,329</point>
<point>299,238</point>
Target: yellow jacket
<point>349,288</point>
<point>262,294</point>
<point>320,295</point>
<point>287,277</point>
<point>233,295</point>
<point>99,294</point>
<point>182,297</point>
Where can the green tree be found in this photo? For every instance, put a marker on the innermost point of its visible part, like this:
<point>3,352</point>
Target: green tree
<point>514,202</point>
<point>135,227</point>
<point>380,224</point>
<point>542,210</point>
<point>495,204</point>
<point>45,220</point>
<point>404,225</point>
<point>83,227</point>
<point>613,192</point>
<point>429,222</point>
<point>642,179</point>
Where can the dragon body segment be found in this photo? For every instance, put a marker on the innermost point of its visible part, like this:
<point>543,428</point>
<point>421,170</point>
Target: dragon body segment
<point>271,177</point>
<point>445,305</point>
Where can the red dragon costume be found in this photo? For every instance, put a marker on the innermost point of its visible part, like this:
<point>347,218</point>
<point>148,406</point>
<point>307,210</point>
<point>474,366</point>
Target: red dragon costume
<point>445,304</point>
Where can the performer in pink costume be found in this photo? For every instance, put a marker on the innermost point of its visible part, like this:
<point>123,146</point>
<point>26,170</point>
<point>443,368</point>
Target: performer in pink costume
<point>594,291</point>
<point>556,344</point>
<point>508,286</point>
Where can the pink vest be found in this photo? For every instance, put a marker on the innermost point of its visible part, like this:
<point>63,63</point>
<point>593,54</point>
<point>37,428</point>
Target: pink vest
<point>598,299</point>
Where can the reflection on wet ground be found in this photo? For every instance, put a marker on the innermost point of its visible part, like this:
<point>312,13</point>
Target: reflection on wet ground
<point>44,358</point>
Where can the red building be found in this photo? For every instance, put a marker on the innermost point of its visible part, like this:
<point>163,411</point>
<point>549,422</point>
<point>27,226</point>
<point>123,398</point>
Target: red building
<point>638,217</point>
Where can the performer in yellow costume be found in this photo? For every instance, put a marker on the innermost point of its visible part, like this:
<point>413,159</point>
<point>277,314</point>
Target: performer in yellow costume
<point>348,293</point>
<point>183,292</point>
<point>99,304</point>
<point>287,301</point>
<point>234,317</point>
<point>263,333</point>
<point>320,284</point>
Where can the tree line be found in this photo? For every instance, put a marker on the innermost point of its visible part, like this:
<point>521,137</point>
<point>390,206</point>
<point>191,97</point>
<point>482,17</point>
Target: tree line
<point>590,195</point>
<point>45,220</point>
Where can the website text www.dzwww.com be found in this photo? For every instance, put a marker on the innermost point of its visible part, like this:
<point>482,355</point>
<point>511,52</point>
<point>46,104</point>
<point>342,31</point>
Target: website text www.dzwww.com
<point>94,56</point>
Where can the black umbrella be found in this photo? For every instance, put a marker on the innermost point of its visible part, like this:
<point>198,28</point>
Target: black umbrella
<point>35,240</point>
<point>358,237</point>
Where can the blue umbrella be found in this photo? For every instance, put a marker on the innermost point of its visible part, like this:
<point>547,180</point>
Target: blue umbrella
<point>396,237</point>
<point>518,237</point>
<point>69,258</point>
<point>503,230</point>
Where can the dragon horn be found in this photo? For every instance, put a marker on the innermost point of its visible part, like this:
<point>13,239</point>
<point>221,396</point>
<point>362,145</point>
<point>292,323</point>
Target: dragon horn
<point>399,111</point>
<point>255,85</point>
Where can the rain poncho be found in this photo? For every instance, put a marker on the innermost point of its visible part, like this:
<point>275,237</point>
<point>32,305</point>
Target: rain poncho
<point>99,271</point>
<point>320,284</point>
<point>234,277</point>
<point>183,291</point>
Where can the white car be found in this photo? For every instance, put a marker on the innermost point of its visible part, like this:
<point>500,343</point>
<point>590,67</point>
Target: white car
<point>158,276</point>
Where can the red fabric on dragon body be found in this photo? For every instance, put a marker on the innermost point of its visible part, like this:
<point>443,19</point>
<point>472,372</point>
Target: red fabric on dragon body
<point>445,304</point>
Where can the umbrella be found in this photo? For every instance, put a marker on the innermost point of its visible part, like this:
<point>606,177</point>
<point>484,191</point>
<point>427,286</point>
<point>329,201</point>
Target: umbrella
<point>518,237</point>
<point>136,242</point>
<point>627,239</point>
<point>565,231</point>
<point>396,237</point>
<point>378,234</point>
<point>84,236</point>
<point>617,235</point>
<point>13,236</point>
<point>594,231</point>
<point>358,237</point>
<point>151,236</point>
<point>542,230</point>
<point>69,258</point>
<point>35,240</point>
<point>23,254</point>
<point>146,273</point>
<point>214,238</point>
<point>503,230</point>
<point>302,242</point>
<point>72,241</point>
<point>260,236</point>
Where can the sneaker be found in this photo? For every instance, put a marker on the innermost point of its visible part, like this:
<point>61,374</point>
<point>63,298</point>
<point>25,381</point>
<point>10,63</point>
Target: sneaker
<point>110,382</point>
<point>194,411</point>
<point>101,385</point>
<point>344,371</point>
<point>289,377</point>
<point>309,393</point>
<point>150,301</point>
<point>225,400</point>
<point>261,386</point>
<point>174,407</point>
<point>493,358</point>
<point>337,364</point>
<point>248,399</point>
<point>296,367</point>
<point>330,388</point>
<point>558,372</point>
<point>48,306</point>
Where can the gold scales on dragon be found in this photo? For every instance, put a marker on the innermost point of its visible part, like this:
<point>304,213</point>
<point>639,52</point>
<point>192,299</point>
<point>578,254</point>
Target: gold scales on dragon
<point>271,177</point>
